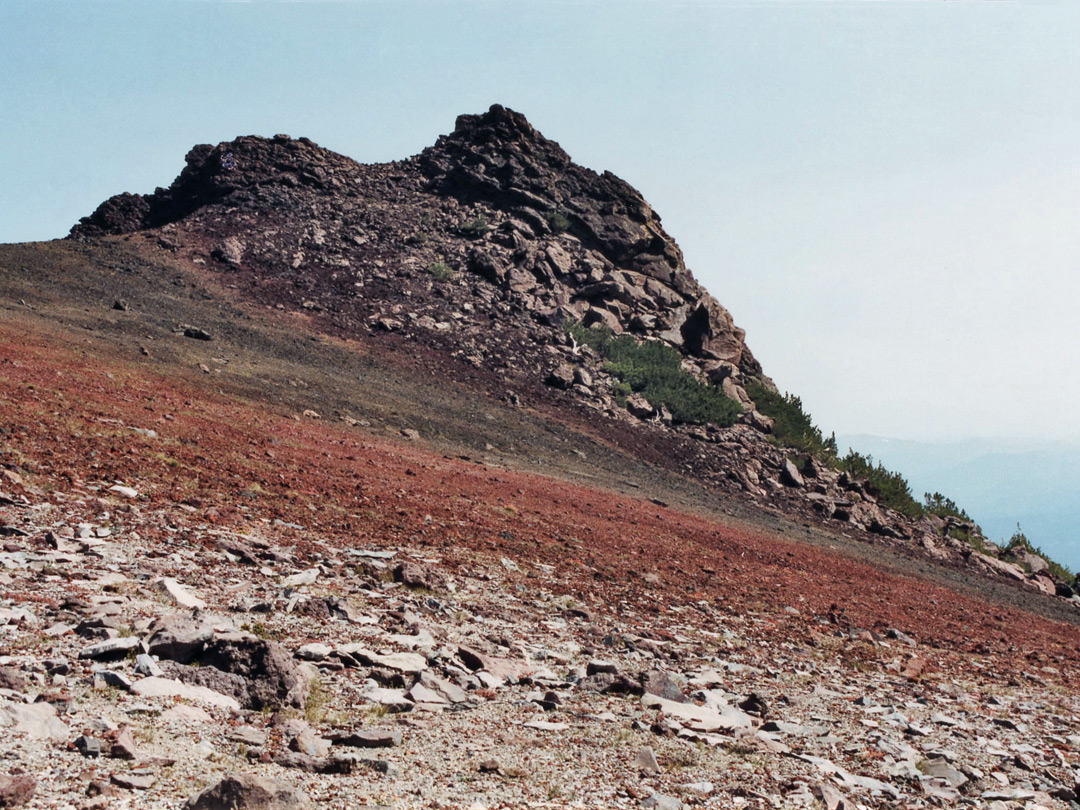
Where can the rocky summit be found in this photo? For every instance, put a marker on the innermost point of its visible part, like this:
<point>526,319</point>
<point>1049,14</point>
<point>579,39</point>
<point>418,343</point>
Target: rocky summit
<point>324,482</point>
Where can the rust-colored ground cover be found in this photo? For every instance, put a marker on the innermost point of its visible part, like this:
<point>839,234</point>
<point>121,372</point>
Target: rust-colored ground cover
<point>68,411</point>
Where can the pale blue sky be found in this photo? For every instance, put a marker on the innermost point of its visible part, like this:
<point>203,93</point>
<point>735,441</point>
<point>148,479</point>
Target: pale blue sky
<point>886,195</point>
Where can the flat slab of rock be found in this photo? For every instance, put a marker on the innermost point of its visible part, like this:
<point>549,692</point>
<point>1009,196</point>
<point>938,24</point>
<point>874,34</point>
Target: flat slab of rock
<point>400,662</point>
<point>700,718</point>
<point>36,720</point>
<point>546,725</point>
<point>374,738</point>
<point>167,687</point>
<point>303,578</point>
<point>502,668</point>
<point>131,780</point>
<point>393,699</point>
<point>178,594</point>
<point>111,648</point>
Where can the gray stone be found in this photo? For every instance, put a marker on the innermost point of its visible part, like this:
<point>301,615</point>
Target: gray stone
<point>146,665</point>
<point>179,637</point>
<point>117,680</point>
<point>646,761</point>
<point>662,685</point>
<point>274,679</point>
<point>562,376</point>
<point>662,802</point>
<point>368,738</point>
<point>594,667</point>
<point>248,792</point>
<point>89,747</point>
<point>132,780</point>
<point>225,683</point>
<point>111,648</point>
<point>248,736</point>
<point>790,475</point>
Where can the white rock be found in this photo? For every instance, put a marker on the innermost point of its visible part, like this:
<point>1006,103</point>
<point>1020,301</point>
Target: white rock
<point>700,718</point>
<point>315,651</point>
<point>303,578</point>
<point>179,595</point>
<point>37,720</point>
<point>127,492</point>
<point>394,699</point>
<point>166,687</point>
<point>546,725</point>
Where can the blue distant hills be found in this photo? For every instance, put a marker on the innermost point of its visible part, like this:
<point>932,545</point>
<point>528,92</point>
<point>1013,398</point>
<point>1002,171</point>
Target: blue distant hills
<point>999,482</point>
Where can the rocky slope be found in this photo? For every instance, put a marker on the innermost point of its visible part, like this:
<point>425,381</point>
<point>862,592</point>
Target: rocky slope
<point>269,504</point>
<point>326,616</point>
<point>532,234</point>
<point>478,252</point>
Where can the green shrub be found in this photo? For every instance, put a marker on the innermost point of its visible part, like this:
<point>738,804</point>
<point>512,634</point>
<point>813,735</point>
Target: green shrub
<point>792,426</point>
<point>475,227</point>
<point>1019,540</point>
<point>653,369</point>
<point>558,222</point>
<point>938,504</point>
<point>892,488</point>
<point>441,271</point>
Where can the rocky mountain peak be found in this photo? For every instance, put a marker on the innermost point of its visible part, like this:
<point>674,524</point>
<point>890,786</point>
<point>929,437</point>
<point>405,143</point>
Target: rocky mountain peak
<point>232,171</point>
<point>532,239</point>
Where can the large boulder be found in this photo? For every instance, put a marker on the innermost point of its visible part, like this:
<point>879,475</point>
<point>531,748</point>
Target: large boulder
<point>244,791</point>
<point>274,678</point>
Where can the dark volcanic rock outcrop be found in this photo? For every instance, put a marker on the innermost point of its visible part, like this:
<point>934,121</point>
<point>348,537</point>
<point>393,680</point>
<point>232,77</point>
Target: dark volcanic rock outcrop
<point>533,239</point>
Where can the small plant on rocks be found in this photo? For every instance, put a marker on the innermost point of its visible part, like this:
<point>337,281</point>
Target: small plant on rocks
<point>441,271</point>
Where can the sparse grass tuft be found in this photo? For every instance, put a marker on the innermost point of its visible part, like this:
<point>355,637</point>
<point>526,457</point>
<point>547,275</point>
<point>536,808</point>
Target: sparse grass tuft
<point>316,704</point>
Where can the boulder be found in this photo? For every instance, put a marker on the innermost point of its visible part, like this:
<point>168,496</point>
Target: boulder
<point>16,789</point>
<point>248,792</point>
<point>273,677</point>
<point>35,720</point>
<point>179,636</point>
<point>790,475</point>
<point>562,376</point>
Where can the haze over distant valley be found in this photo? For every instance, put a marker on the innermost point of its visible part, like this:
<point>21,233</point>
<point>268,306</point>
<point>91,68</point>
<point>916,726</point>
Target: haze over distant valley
<point>999,482</point>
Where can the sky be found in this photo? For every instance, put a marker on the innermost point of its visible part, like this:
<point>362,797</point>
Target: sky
<point>885,194</point>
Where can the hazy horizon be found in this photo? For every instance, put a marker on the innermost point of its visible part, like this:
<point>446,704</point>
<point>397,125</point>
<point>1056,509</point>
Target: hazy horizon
<point>1003,484</point>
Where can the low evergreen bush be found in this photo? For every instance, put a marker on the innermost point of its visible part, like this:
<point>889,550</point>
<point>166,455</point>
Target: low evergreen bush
<point>654,370</point>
